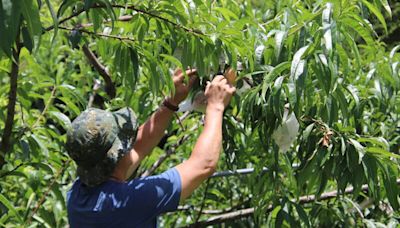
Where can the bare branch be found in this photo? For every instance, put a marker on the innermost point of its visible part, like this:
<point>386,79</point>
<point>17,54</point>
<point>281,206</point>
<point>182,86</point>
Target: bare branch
<point>12,98</point>
<point>110,87</point>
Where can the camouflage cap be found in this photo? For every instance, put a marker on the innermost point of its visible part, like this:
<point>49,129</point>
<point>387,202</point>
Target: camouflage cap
<point>98,139</point>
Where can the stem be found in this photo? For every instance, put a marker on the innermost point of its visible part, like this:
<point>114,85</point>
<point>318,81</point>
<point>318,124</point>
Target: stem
<point>52,95</point>
<point>203,202</point>
<point>12,98</point>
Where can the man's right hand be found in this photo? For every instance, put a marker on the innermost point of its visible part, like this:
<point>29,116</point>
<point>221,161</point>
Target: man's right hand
<point>219,92</point>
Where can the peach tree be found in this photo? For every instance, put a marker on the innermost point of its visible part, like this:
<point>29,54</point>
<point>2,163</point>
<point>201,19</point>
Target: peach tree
<point>311,137</point>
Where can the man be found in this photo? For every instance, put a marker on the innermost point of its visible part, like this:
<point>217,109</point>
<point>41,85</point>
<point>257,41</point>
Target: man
<point>107,147</point>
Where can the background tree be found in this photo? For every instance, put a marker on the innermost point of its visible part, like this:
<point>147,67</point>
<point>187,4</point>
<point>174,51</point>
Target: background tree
<point>315,120</point>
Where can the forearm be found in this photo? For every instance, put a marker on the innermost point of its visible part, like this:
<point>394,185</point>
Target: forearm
<point>204,158</point>
<point>151,132</point>
<point>207,149</point>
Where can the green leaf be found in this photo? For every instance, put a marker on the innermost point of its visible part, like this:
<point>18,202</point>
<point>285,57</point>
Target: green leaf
<point>302,214</point>
<point>381,152</point>
<point>386,5</point>
<point>326,23</point>
<point>272,75</point>
<point>135,64</point>
<point>226,13</point>
<point>9,24</point>
<point>39,145</point>
<point>30,11</point>
<point>280,36</point>
<point>377,13</point>
<point>28,43</point>
<point>10,207</point>
<point>172,59</point>
<point>61,118</point>
<point>359,148</point>
<point>41,166</point>
<point>297,67</point>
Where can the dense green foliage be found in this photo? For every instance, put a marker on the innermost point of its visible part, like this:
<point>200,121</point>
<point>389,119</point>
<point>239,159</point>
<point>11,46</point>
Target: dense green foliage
<point>326,59</point>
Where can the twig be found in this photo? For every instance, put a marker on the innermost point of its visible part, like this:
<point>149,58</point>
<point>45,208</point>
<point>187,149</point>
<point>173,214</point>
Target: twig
<point>250,211</point>
<point>178,120</point>
<point>11,171</point>
<point>96,86</point>
<point>121,38</point>
<point>203,202</point>
<point>12,98</point>
<point>123,18</point>
<point>49,187</point>
<point>77,13</point>
<point>52,95</point>
<point>110,87</point>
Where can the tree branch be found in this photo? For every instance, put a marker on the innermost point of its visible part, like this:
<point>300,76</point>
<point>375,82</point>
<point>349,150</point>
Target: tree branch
<point>131,7</point>
<point>121,38</point>
<point>250,211</point>
<point>12,98</point>
<point>166,20</point>
<point>110,88</point>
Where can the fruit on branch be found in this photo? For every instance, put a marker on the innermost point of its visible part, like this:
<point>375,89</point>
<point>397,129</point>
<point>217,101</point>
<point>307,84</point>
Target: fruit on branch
<point>230,75</point>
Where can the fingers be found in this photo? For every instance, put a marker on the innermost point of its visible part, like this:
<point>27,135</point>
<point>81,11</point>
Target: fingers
<point>191,72</point>
<point>178,71</point>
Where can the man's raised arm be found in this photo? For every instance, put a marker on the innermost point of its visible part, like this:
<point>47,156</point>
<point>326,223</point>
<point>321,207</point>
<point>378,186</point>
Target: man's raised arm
<point>204,158</point>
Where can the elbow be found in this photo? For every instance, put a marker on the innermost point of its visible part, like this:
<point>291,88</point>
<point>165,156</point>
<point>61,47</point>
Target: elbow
<point>209,168</point>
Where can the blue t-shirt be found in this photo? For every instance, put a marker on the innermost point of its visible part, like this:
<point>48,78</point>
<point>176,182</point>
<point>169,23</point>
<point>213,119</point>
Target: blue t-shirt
<point>136,203</point>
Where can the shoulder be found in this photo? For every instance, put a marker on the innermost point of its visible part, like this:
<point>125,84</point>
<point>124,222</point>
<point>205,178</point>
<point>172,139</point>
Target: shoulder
<point>167,178</point>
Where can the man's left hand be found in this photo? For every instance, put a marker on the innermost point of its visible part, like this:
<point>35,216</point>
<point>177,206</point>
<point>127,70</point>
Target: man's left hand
<point>182,86</point>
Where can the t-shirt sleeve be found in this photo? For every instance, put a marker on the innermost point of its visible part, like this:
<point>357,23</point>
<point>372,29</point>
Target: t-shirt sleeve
<point>155,195</point>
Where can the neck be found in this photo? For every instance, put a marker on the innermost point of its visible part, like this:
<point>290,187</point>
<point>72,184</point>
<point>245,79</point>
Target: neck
<point>124,168</point>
